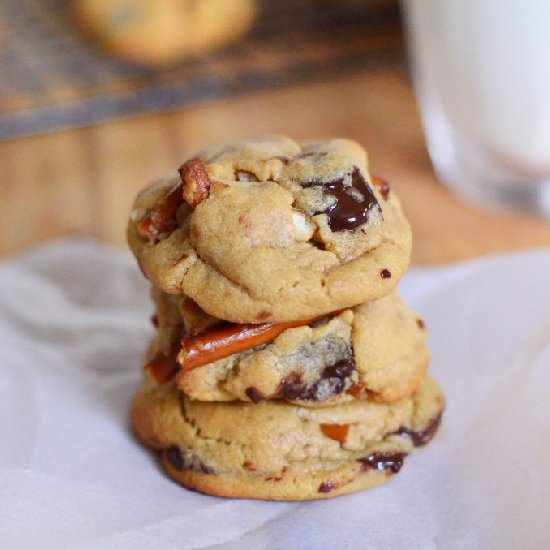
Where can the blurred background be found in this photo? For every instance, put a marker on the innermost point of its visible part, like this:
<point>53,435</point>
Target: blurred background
<point>99,97</point>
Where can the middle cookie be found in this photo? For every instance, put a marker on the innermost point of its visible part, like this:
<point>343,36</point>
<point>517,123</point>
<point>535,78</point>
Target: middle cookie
<point>374,351</point>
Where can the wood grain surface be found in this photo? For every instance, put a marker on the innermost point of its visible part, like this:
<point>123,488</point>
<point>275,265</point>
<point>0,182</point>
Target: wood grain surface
<point>83,181</point>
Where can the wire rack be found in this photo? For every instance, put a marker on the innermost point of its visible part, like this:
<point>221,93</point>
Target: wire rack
<point>52,78</point>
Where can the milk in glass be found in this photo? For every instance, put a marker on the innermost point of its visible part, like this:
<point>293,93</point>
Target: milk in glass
<point>482,76</point>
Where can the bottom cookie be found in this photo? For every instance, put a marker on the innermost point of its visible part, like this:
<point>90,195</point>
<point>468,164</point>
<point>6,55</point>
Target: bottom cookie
<point>279,451</point>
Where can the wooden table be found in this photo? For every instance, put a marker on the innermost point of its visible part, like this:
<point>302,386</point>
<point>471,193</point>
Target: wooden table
<point>83,181</point>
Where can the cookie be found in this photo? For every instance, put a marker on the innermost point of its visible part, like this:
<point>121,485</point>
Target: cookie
<point>273,231</point>
<point>374,351</point>
<point>279,451</point>
<point>157,32</point>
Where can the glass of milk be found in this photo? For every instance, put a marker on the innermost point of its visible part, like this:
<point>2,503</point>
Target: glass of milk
<point>482,77</point>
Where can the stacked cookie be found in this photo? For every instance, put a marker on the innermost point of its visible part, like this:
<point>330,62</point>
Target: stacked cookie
<point>285,365</point>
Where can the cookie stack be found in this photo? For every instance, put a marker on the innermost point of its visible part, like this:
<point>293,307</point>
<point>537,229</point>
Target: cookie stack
<point>285,365</point>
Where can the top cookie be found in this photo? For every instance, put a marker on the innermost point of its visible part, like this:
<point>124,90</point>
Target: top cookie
<point>272,230</point>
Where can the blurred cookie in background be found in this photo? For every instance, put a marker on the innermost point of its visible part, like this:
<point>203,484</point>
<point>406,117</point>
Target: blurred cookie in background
<point>161,32</point>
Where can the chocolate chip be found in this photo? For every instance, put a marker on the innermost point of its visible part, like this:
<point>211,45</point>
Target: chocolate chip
<point>155,320</point>
<point>254,394</point>
<point>420,438</point>
<point>181,461</point>
<point>293,388</point>
<point>341,369</point>
<point>326,487</point>
<point>383,462</point>
<point>385,274</point>
<point>318,244</point>
<point>173,455</point>
<point>334,376</point>
<point>353,202</point>
<point>421,324</point>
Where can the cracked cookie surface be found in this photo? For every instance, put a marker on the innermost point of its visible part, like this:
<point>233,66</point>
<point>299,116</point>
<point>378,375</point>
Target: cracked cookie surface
<point>280,451</point>
<point>375,351</point>
<point>272,230</point>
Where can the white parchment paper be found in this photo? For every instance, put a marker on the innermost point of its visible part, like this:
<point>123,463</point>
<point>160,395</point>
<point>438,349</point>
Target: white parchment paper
<point>73,326</point>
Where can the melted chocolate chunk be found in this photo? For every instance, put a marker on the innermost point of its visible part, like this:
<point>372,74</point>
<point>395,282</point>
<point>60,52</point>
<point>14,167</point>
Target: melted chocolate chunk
<point>326,487</point>
<point>383,462</point>
<point>173,455</point>
<point>254,394</point>
<point>342,369</point>
<point>180,462</point>
<point>353,202</point>
<point>424,436</point>
<point>332,376</point>
<point>385,274</point>
<point>293,388</point>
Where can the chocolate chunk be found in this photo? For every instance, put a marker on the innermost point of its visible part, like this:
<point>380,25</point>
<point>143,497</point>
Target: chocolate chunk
<point>173,455</point>
<point>326,487</point>
<point>293,388</point>
<point>155,320</point>
<point>254,394</point>
<point>424,436</point>
<point>353,202</point>
<point>332,377</point>
<point>385,274</point>
<point>421,324</point>
<point>318,244</point>
<point>341,369</point>
<point>182,461</point>
<point>383,462</point>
